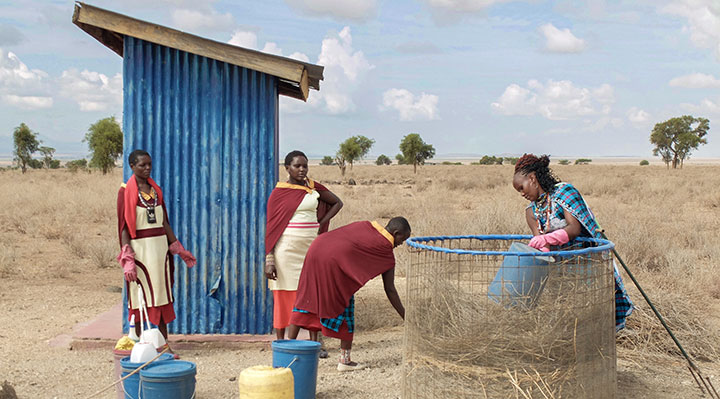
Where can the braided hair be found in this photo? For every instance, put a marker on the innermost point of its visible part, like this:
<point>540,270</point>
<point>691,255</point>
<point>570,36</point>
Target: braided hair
<point>531,163</point>
<point>292,154</point>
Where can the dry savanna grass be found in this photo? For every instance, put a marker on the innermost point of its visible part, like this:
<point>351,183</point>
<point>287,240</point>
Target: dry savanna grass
<point>58,227</point>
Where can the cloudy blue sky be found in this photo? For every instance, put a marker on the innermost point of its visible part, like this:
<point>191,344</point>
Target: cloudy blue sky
<point>565,77</point>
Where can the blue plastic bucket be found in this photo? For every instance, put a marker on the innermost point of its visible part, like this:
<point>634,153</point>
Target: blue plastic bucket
<point>168,380</point>
<point>302,358</point>
<point>131,385</point>
<point>520,279</point>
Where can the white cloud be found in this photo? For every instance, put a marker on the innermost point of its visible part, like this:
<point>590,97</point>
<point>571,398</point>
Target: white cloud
<point>249,40</point>
<point>696,81</point>
<point>92,91</point>
<point>27,102</point>
<point>409,107</point>
<point>703,17</point>
<point>21,86</point>
<point>555,100</point>
<point>704,108</point>
<point>449,11</point>
<point>194,20</point>
<point>638,116</point>
<point>344,69</point>
<point>357,10</point>
<point>561,40</point>
<point>463,5</point>
<point>272,48</point>
<point>299,56</point>
<point>244,39</point>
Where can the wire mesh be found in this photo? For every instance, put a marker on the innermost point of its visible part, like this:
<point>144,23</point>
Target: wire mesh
<point>485,319</point>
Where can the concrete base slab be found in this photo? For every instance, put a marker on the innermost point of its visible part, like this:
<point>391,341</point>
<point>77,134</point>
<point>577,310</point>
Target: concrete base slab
<point>105,330</point>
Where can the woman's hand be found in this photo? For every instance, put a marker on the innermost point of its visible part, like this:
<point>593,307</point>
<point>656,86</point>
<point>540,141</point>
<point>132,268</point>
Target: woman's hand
<point>127,261</point>
<point>270,270</point>
<point>557,237</point>
<point>176,248</point>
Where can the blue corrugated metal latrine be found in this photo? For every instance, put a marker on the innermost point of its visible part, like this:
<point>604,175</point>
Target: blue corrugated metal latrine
<point>207,113</point>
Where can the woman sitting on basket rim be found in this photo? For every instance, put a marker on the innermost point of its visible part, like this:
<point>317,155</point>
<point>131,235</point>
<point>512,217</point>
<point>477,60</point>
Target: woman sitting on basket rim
<point>557,214</point>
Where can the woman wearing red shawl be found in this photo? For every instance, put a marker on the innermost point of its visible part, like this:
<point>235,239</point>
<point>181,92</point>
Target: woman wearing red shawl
<point>297,211</point>
<point>337,265</point>
<point>147,244</point>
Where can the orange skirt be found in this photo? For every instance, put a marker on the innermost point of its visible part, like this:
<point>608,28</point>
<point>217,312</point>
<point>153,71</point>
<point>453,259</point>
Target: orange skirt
<point>284,301</point>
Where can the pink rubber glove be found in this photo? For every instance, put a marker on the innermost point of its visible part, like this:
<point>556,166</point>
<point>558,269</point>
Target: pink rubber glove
<point>177,249</point>
<point>127,261</point>
<point>557,237</point>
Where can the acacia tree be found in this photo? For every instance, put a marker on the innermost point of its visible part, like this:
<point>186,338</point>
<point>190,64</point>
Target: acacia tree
<point>415,151</point>
<point>105,141</point>
<point>26,143</point>
<point>351,150</point>
<point>675,138</point>
<point>47,156</point>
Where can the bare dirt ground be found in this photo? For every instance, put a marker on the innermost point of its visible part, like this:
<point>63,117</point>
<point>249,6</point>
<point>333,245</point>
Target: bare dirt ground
<point>57,246</point>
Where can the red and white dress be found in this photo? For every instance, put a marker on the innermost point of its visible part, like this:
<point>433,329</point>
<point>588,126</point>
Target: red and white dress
<point>154,263</point>
<point>293,213</point>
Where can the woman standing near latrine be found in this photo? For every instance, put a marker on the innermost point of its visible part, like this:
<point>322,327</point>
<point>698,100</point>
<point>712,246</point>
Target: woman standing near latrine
<point>557,214</point>
<point>297,211</point>
<point>147,244</point>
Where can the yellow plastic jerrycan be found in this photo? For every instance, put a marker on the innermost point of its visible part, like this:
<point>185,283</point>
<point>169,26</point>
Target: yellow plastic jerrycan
<point>265,382</point>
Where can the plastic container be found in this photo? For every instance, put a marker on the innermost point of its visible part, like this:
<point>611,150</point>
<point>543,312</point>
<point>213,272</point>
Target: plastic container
<point>302,358</point>
<point>168,380</point>
<point>119,354</point>
<point>131,385</point>
<point>520,279</point>
<point>265,382</point>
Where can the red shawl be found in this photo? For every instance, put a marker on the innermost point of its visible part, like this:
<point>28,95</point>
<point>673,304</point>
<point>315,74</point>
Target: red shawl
<point>127,203</point>
<point>281,206</point>
<point>339,263</point>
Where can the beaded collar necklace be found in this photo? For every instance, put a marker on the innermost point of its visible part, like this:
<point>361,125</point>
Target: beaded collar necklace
<point>542,205</point>
<point>149,209</point>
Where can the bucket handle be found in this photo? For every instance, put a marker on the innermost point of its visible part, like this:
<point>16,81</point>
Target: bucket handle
<point>295,358</point>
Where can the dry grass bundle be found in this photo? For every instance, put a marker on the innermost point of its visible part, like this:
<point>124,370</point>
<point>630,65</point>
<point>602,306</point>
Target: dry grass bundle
<point>645,334</point>
<point>558,344</point>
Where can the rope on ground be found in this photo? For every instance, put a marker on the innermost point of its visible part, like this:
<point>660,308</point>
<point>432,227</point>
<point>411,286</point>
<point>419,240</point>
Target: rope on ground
<point>123,379</point>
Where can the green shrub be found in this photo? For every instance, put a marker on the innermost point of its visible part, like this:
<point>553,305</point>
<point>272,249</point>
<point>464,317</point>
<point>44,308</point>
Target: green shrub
<point>564,162</point>
<point>327,160</point>
<point>383,160</point>
<point>76,165</point>
<point>490,160</point>
<point>451,163</point>
<point>511,160</point>
<point>644,162</point>
<point>582,161</point>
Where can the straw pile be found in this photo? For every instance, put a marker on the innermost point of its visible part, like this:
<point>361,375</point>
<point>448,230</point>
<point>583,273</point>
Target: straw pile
<point>464,345</point>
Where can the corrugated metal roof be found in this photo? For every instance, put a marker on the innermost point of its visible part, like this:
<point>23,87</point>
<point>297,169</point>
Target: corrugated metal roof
<point>211,128</point>
<point>109,28</point>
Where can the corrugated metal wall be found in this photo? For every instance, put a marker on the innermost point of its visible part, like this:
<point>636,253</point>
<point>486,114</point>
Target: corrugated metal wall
<point>211,129</point>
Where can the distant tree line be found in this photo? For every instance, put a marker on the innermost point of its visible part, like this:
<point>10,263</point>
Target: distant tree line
<point>104,138</point>
<point>413,151</point>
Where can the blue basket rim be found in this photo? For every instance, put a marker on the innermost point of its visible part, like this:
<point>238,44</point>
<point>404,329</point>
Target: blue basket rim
<point>416,242</point>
